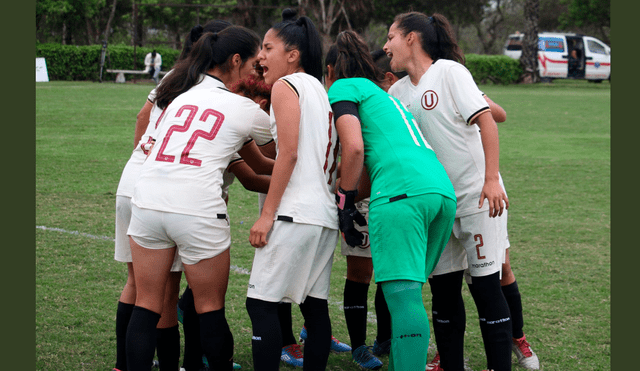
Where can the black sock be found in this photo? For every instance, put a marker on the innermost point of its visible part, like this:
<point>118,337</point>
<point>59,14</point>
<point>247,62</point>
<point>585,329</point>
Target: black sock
<point>191,327</point>
<point>495,321</point>
<point>216,339</point>
<point>266,342</point>
<point>383,316</point>
<point>355,311</point>
<point>168,348</point>
<point>514,300</point>
<point>141,339</point>
<point>123,315</point>
<point>318,343</point>
<point>286,326</point>
<point>449,319</point>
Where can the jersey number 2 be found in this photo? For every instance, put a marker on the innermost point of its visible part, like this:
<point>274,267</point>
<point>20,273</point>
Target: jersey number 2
<point>210,135</point>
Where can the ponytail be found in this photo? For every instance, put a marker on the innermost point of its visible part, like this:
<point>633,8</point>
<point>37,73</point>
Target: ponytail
<point>213,49</point>
<point>197,31</point>
<point>349,56</point>
<point>301,34</point>
<point>436,35</point>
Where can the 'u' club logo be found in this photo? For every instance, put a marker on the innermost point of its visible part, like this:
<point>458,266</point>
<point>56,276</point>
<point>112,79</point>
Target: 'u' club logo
<point>429,100</point>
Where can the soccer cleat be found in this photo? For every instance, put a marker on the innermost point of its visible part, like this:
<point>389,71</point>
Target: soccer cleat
<point>205,361</point>
<point>292,355</point>
<point>381,349</point>
<point>526,357</point>
<point>364,359</point>
<point>336,346</point>
<point>434,365</point>
<point>236,366</point>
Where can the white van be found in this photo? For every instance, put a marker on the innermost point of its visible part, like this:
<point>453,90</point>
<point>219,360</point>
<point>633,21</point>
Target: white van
<point>566,55</point>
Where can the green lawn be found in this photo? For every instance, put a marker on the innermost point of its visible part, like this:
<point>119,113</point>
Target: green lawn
<point>555,161</point>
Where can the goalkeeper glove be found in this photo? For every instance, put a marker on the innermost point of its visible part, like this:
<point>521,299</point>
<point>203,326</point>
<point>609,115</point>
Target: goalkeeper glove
<point>347,214</point>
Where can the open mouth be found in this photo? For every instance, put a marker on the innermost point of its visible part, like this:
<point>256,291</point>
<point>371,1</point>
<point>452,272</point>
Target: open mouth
<point>259,69</point>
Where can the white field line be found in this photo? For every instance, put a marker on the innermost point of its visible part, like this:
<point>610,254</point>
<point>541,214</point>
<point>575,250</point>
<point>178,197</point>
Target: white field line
<point>371,317</point>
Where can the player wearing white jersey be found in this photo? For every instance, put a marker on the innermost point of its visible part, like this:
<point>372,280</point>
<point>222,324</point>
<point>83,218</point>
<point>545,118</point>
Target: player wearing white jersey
<point>446,103</point>
<point>297,231</point>
<point>178,197</point>
<point>168,334</point>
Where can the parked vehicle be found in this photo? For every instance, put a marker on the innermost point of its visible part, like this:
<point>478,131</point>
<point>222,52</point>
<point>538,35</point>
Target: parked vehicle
<point>566,55</point>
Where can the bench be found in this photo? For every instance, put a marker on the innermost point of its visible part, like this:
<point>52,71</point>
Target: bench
<point>120,74</point>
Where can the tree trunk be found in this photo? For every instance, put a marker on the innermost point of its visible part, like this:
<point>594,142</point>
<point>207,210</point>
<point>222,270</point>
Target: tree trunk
<point>108,27</point>
<point>529,57</point>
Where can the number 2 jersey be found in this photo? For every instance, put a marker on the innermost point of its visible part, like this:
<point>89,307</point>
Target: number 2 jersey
<point>196,137</point>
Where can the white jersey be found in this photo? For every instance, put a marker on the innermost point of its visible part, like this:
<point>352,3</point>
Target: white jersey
<point>442,103</point>
<point>309,196</point>
<point>139,154</point>
<point>196,137</point>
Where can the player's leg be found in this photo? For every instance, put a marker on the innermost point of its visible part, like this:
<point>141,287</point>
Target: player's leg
<point>356,289</point>
<point>208,279</point>
<point>382,343</point>
<point>527,358</point>
<point>152,267</point>
<point>168,333</point>
<point>448,312</point>
<point>291,352</point>
<point>266,341</point>
<point>127,299</point>
<point>318,343</point>
<point>485,241</point>
<point>192,358</point>
<point>123,315</point>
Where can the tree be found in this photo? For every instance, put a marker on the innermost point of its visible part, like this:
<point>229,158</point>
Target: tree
<point>588,13</point>
<point>529,57</point>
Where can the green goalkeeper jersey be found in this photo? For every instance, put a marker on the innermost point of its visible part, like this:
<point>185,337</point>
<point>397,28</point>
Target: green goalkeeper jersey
<point>398,158</point>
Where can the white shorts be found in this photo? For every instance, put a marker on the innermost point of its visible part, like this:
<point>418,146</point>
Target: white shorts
<point>477,244</point>
<point>123,247</point>
<point>197,238</point>
<point>295,263</point>
<point>364,250</point>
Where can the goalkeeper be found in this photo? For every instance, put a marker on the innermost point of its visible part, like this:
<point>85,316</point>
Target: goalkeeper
<point>412,202</point>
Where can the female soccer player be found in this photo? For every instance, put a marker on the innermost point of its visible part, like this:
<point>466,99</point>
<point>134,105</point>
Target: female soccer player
<point>412,202</point>
<point>168,342</point>
<point>297,231</point>
<point>177,200</point>
<point>456,120</point>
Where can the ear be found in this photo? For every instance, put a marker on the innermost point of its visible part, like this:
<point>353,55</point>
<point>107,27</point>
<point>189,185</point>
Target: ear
<point>263,104</point>
<point>294,55</point>
<point>391,78</point>
<point>236,60</point>
<point>412,37</point>
<point>331,73</point>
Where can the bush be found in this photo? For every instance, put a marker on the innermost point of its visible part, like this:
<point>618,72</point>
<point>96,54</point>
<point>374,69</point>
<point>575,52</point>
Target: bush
<point>71,62</point>
<point>498,69</point>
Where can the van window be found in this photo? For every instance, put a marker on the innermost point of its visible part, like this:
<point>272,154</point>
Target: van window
<point>514,43</point>
<point>551,44</point>
<point>596,47</point>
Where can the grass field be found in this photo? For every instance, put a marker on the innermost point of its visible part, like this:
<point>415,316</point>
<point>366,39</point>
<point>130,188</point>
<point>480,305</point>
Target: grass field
<point>555,161</point>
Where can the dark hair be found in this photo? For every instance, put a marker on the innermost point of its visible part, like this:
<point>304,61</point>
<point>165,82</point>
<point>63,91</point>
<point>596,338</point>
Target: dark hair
<point>216,25</point>
<point>301,34</point>
<point>213,49</point>
<point>382,60</point>
<point>252,87</point>
<point>349,56</point>
<point>436,35</point>
<point>153,54</point>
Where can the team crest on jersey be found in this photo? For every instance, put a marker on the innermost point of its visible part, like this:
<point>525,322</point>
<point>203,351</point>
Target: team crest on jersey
<point>429,100</point>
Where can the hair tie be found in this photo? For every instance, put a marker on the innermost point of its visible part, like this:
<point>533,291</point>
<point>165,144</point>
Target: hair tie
<point>215,36</point>
<point>300,21</point>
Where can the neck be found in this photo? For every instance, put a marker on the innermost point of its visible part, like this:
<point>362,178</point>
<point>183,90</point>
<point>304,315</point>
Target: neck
<point>418,66</point>
<point>225,78</point>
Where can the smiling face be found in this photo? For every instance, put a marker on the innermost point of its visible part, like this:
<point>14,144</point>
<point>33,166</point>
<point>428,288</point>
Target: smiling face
<point>274,59</point>
<point>397,48</point>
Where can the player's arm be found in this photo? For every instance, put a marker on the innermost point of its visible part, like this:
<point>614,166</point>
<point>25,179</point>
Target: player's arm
<point>142,121</point>
<point>492,189</point>
<point>248,178</point>
<point>286,108</point>
<point>498,113</point>
<point>258,162</point>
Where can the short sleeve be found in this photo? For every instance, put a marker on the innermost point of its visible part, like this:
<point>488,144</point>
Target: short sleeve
<point>465,93</point>
<point>261,128</point>
<point>344,90</point>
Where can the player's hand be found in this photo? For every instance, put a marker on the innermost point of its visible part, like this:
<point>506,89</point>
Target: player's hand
<point>259,231</point>
<point>497,198</point>
<point>347,214</point>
